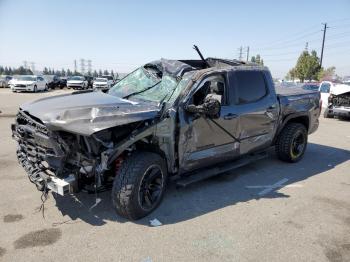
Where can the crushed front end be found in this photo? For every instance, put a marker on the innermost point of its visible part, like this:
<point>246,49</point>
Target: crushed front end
<point>42,154</point>
<point>339,105</point>
<point>61,161</point>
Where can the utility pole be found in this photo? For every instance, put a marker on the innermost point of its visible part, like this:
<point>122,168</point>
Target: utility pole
<point>82,65</point>
<point>32,67</point>
<point>75,65</point>
<point>89,66</point>
<point>247,53</point>
<point>240,53</point>
<point>324,36</point>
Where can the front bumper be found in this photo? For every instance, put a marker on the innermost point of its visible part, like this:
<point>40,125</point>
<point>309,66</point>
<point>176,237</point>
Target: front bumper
<point>23,88</point>
<point>39,155</point>
<point>75,85</point>
<point>340,111</point>
<point>100,87</point>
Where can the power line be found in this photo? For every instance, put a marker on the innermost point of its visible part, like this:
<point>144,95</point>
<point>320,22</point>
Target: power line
<point>284,39</point>
<point>337,44</point>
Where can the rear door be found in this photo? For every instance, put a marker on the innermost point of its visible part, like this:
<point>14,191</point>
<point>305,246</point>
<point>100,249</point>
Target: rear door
<point>257,107</point>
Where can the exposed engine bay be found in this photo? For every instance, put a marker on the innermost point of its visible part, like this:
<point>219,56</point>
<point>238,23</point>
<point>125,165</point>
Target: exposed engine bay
<point>77,159</point>
<point>340,100</point>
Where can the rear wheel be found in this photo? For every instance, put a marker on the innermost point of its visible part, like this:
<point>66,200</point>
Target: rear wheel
<point>291,143</point>
<point>35,89</point>
<point>139,185</point>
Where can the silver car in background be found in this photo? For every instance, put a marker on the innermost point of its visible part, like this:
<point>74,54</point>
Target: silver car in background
<point>4,81</point>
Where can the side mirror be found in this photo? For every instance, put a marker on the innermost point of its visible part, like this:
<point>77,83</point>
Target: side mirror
<point>211,107</point>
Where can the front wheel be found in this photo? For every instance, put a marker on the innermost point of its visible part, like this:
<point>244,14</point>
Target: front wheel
<point>139,185</point>
<point>35,89</point>
<point>291,143</point>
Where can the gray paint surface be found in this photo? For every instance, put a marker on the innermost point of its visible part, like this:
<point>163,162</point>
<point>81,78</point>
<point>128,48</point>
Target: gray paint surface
<point>88,113</point>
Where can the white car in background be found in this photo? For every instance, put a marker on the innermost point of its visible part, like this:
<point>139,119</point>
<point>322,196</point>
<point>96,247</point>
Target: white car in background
<point>77,82</point>
<point>325,89</point>
<point>30,83</point>
<point>102,83</point>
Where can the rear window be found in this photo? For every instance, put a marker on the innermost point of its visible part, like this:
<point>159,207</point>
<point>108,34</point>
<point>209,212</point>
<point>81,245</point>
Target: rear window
<point>251,86</point>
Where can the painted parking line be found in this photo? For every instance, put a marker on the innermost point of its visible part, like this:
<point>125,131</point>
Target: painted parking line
<point>269,188</point>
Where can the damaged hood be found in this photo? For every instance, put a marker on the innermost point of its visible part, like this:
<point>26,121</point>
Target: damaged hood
<point>88,113</point>
<point>339,89</point>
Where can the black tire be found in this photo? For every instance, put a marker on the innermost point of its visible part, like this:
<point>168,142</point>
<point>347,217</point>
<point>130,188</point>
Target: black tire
<point>46,88</point>
<point>291,143</point>
<point>129,194</point>
<point>326,114</point>
<point>35,89</point>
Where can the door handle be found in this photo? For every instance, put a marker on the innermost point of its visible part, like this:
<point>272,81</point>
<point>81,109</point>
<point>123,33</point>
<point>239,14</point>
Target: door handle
<point>230,116</point>
<point>271,108</point>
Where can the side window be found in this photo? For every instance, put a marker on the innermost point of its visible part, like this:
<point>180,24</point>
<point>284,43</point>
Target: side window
<point>40,79</point>
<point>251,86</point>
<point>325,88</point>
<point>215,86</point>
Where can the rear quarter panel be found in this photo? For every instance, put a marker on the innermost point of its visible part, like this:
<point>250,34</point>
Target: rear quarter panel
<point>300,105</point>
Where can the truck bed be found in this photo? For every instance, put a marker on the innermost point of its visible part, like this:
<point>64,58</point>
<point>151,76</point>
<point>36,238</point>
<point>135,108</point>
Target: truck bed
<point>290,91</point>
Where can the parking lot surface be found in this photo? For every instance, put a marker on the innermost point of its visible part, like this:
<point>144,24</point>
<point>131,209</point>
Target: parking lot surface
<point>266,211</point>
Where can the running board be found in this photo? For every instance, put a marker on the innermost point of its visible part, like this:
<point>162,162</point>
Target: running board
<point>206,173</point>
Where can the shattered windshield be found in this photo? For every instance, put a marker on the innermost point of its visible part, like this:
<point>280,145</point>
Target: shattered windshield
<point>143,84</point>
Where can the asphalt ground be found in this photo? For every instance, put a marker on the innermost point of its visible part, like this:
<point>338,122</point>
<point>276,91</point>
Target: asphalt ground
<point>266,211</point>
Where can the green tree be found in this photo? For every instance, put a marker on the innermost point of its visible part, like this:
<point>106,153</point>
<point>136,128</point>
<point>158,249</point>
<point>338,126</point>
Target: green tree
<point>257,59</point>
<point>105,72</point>
<point>99,72</point>
<point>291,74</point>
<point>63,72</point>
<point>308,66</point>
<point>95,74</point>
<point>45,71</point>
<point>69,73</point>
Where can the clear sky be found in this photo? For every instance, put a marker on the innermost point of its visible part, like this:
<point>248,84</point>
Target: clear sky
<point>122,35</point>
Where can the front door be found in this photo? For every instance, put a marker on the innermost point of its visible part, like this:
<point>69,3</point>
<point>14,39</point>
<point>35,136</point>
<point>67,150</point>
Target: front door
<point>204,141</point>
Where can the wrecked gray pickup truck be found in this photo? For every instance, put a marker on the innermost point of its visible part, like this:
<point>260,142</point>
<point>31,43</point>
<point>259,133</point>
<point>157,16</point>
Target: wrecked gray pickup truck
<point>183,120</point>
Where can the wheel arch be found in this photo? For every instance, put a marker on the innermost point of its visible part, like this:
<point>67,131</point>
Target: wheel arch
<point>302,118</point>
